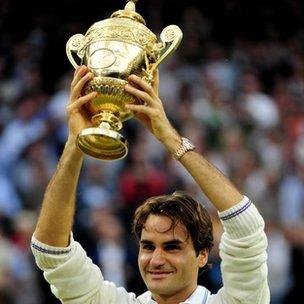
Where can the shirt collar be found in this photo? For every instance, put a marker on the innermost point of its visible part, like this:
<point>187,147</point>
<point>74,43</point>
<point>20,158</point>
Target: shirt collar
<point>197,297</point>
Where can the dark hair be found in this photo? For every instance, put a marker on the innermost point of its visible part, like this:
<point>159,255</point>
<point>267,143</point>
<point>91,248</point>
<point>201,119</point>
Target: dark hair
<point>180,208</point>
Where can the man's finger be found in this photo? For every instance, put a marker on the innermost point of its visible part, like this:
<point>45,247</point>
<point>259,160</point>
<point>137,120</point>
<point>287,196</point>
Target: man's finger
<point>141,109</point>
<point>79,72</point>
<point>76,91</point>
<point>142,84</point>
<point>78,103</point>
<point>142,95</point>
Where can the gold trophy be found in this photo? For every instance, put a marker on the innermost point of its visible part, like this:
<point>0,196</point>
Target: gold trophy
<point>113,49</point>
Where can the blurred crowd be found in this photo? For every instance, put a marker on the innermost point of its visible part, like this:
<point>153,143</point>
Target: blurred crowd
<point>235,87</point>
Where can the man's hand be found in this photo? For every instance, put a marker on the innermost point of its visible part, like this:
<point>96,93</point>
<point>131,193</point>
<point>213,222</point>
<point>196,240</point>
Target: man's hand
<point>78,117</point>
<point>151,112</point>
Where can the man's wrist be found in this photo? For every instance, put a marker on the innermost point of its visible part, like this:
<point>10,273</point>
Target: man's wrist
<point>71,143</point>
<point>177,145</point>
<point>171,141</point>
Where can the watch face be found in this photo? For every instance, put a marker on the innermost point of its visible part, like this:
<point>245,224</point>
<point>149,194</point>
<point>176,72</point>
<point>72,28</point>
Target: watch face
<point>187,143</point>
<point>102,58</point>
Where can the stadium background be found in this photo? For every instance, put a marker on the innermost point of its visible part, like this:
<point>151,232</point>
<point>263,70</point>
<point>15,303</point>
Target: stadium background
<point>235,87</point>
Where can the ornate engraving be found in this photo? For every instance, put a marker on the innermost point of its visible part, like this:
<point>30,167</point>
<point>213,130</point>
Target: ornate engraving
<point>170,33</point>
<point>102,58</point>
<point>123,30</point>
<point>110,92</point>
<point>76,41</point>
<point>73,44</point>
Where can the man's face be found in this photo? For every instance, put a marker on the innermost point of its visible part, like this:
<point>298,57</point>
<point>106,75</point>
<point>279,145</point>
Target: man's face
<point>167,260</point>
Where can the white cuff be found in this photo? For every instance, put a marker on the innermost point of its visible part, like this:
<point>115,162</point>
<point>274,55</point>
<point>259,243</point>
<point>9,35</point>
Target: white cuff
<point>242,219</point>
<point>49,256</point>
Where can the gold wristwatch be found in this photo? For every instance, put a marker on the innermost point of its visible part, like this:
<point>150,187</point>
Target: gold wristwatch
<point>185,146</point>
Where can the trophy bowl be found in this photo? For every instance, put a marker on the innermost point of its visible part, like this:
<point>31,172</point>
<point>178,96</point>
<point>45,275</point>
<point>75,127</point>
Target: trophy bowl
<point>113,49</point>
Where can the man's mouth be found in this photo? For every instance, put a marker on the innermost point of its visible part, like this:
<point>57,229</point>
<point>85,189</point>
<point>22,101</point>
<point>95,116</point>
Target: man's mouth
<point>159,274</point>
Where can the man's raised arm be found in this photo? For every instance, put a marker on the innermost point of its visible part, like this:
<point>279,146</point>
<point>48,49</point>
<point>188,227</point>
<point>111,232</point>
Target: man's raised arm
<point>213,183</point>
<point>57,212</point>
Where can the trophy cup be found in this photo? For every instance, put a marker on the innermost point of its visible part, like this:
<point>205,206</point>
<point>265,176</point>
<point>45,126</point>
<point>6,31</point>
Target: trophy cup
<point>113,49</point>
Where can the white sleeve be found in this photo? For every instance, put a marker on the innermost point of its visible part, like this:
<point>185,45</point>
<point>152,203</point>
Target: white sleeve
<point>243,253</point>
<point>74,278</point>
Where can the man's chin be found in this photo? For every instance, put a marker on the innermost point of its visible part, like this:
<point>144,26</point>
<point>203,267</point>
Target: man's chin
<point>160,288</point>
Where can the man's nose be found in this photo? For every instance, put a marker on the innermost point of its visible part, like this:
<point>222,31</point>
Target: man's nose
<point>158,258</point>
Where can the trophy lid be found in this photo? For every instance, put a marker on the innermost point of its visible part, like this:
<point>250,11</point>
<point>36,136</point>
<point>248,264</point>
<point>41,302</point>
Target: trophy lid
<point>129,12</point>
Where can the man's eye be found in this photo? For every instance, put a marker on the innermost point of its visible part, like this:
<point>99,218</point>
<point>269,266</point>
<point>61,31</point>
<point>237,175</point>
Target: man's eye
<point>148,247</point>
<point>172,247</point>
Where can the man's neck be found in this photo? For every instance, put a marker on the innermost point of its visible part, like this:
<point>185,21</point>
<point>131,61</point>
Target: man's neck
<point>174,299</point>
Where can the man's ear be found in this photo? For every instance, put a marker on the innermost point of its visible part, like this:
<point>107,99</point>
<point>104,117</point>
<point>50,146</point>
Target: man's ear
<point>202,258</point>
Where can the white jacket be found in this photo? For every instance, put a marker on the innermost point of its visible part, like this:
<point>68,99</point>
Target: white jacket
<point>75,279</point>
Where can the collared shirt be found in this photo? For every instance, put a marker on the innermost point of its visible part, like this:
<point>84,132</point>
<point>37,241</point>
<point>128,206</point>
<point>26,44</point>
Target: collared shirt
<point>199,296</point>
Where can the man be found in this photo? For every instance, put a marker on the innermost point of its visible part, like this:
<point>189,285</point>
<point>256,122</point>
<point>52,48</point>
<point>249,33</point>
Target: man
<point>175,231</point>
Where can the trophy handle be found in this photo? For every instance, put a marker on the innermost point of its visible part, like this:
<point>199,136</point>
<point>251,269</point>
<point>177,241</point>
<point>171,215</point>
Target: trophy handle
<point>171,37</point>
<point>73,46</point>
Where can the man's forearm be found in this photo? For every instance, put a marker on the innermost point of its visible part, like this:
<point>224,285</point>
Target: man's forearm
<point>58,207</point>
<point>213,183</point>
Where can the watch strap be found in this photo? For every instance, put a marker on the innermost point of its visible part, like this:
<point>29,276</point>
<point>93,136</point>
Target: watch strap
<point>185,146</point>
